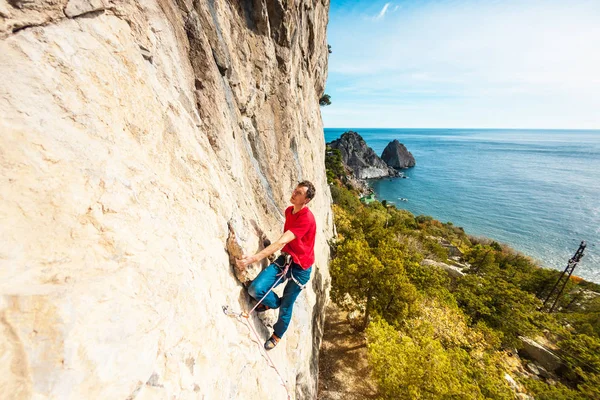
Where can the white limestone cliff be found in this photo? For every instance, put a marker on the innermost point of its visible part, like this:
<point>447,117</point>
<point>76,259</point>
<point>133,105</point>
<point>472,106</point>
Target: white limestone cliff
<point>131,133</point>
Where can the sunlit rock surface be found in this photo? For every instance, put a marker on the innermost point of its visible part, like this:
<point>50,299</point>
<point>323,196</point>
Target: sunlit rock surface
<point>132,132</point>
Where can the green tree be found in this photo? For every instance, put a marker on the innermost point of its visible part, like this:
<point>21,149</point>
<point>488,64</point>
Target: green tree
<point>496,246</point>
<point>539,282</point>
<point>586,318</point>
<point>325,100</point>
<point>396,296</point>
<point>407,368</point>
<point>502,305</point>
<point>373,220</point>
<point>401,221</point>
<point>482,259</point>
<point>374,279</point>
<point>431,281</point>
<point>416,365</point>
<point>581,354</point>
<point>346,199</point>
<point>354,272</point>
<point>334,164</point>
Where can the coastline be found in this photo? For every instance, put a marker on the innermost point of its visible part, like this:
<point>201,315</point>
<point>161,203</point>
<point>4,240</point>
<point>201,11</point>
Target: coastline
<point>532,190</point>
<point>479,237</point>
<point>423,271</point>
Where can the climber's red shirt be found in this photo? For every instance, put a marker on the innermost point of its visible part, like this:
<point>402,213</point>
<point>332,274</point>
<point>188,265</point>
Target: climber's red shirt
<point>303,226</point>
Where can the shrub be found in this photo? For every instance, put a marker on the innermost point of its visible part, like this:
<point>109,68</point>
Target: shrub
<point>325,100</point>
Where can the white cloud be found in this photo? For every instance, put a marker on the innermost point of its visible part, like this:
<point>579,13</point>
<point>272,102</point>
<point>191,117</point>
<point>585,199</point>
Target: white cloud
<point>383,11</point>
<point>541,55</point>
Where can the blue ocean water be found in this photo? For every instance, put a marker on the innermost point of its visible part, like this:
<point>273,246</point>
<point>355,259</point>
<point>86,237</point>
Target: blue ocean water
<point>536,190</point>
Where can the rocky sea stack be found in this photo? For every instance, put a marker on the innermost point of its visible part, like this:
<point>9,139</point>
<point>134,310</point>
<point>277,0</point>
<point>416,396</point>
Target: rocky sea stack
<point>360,158</point>
<point>397,156</point>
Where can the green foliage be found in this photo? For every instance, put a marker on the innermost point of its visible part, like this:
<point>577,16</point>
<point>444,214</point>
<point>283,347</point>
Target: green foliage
<point>482,259</point>
<point>447,232</point>
<point>334,165</point>
<point>325,100</point>
<point>500,304</point>
<point>496,246</point>
<point>396,296</point>
<point>437,337</point>
<point>345,199</point>
<point>585,320</point>
<point>581,354</point>
<point>423,218</point>
<point>431,281</point>
<point>590,387</point>
<point>544,391</point>
<point>435,250</point>
<point>594,287</point>
<point>539,282</point>
<point>401,221</point>
<point>418,366</point>
<point>373,278</point>
<point>353,270</point>
<point>406,368</point>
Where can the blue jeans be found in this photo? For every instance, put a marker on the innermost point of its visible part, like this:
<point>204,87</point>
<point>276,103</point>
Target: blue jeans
<point>285,303</point>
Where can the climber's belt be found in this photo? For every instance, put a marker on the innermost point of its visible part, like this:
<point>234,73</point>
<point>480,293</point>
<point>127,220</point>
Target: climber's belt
<point>285,262</point>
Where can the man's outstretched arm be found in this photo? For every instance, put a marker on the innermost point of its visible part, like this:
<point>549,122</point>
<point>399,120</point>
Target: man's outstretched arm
<point>287,237</point>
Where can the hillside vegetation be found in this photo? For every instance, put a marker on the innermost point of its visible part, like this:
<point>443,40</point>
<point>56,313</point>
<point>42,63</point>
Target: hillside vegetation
<point>434,336</point>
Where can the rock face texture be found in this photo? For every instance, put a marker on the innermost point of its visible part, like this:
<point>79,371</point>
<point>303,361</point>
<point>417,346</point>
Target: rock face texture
<point>452,270</point>
<point>397,156</point>
<point>360,158</point>
<point>132,133</point>
<point>537,352</point>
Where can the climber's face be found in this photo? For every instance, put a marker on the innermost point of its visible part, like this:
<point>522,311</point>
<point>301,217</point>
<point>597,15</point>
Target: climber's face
<point>299,196</point>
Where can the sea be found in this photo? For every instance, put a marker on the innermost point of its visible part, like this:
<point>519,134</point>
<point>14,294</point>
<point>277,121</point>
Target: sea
<point>537,191</point>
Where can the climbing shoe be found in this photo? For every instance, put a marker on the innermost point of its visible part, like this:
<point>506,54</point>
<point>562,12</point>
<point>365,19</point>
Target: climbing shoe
<point>271,342</point>
<point>262,308</point>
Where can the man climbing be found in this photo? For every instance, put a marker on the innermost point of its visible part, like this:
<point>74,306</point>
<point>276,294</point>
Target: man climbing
<point>297,245</point>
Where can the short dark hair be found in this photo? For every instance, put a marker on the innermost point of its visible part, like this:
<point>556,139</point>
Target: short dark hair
<point>310,189</point>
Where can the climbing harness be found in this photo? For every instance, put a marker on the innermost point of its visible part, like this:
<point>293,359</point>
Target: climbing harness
<point>245,316</point>
<point>302,287</point>
<point>286,265</point>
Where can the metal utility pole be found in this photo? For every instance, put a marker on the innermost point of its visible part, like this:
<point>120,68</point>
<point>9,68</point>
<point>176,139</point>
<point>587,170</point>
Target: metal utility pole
<point>564,278</point>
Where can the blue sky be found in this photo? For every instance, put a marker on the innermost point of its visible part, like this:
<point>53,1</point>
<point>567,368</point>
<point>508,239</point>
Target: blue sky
<point>464,64</point>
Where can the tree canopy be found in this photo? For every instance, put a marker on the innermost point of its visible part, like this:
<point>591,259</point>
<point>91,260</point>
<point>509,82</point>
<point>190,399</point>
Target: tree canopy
<point>434,336</point>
